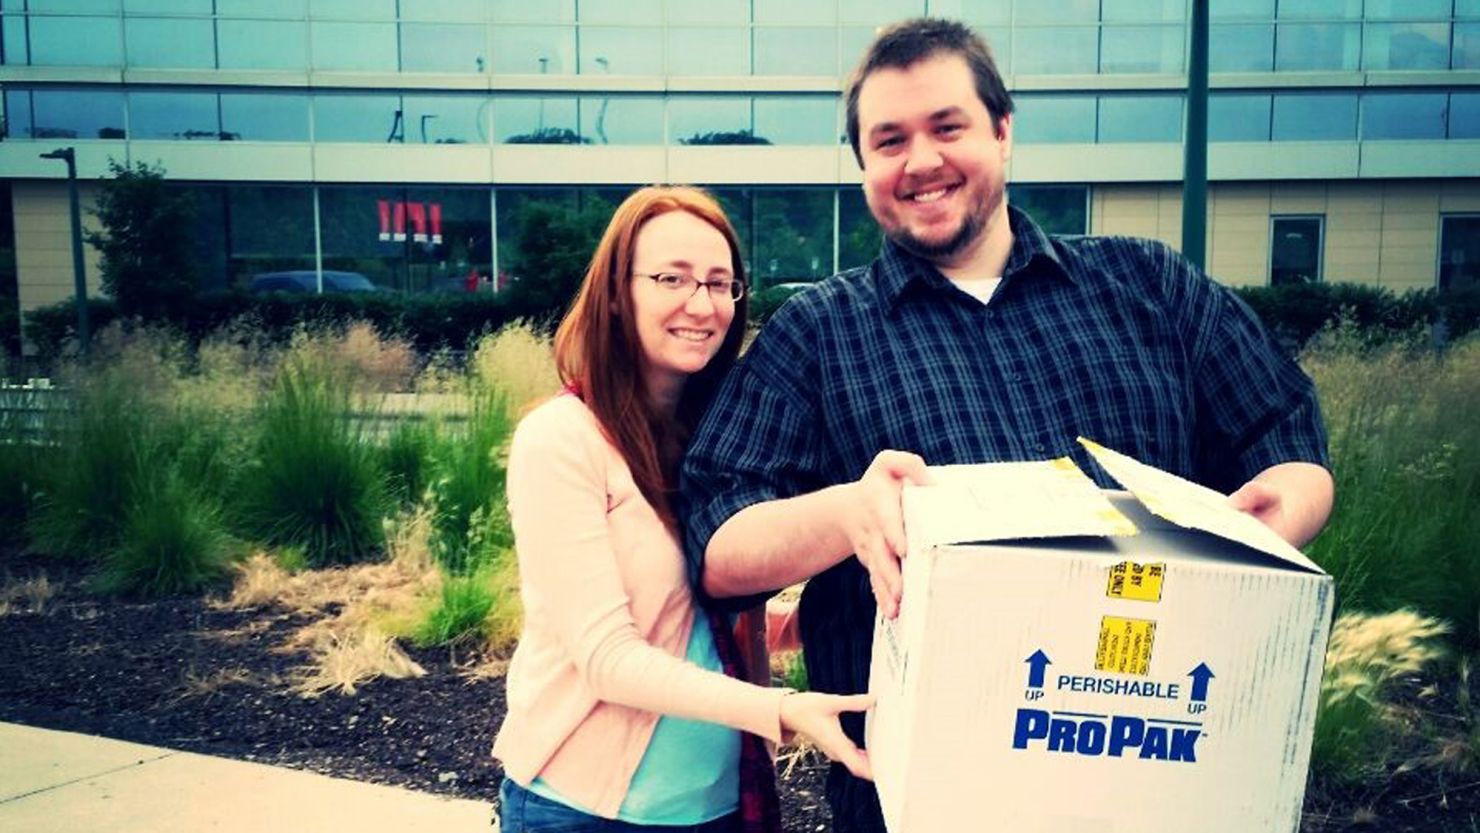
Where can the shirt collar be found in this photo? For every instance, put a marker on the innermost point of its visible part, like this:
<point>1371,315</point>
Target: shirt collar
<point>899,269</point>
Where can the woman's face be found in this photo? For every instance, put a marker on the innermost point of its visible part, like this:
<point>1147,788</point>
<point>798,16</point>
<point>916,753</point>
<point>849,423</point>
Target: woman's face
<point>679,328</point>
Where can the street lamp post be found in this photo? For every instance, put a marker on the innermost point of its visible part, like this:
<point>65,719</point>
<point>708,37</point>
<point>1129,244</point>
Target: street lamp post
<point>79,277</point>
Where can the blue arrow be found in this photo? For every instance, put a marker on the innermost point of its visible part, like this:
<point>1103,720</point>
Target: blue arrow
<point>1200,676</point>
<point>1037,663</point>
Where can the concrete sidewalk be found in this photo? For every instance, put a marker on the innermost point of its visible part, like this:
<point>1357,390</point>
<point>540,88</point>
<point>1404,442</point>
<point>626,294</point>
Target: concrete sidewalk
<point>58,782</point>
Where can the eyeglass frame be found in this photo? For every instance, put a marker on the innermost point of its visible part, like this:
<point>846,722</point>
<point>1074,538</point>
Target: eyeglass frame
<point>737,286</point>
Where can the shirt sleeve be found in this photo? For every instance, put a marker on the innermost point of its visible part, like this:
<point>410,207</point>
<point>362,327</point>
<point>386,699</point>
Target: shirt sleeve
<point>760,440</point>
<point>558,504</point>
<point>1255,407</point>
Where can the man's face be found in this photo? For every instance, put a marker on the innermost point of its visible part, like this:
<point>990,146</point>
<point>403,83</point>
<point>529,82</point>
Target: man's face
<point>933,165</point>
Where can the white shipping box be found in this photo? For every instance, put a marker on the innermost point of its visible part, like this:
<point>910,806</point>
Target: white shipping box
<point>1066,660</point>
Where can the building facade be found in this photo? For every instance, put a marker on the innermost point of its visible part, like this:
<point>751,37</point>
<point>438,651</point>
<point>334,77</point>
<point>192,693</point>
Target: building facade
<point>408,140</point>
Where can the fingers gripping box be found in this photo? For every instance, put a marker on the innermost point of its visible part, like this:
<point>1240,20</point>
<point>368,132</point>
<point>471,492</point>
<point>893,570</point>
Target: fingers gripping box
<point>1069,660</point>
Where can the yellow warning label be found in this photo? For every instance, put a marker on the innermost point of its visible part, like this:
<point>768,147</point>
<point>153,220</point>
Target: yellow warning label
<point>1136,582</point>
<point>1125,645</point>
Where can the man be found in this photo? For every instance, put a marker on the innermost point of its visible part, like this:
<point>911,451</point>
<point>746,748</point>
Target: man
<point>973,337</point>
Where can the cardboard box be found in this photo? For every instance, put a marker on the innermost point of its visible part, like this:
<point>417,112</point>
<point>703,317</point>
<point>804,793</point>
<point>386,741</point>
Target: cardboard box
<point>1072,660</point>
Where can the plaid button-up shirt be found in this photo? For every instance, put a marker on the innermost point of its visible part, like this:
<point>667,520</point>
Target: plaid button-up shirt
<point>1117,339</point>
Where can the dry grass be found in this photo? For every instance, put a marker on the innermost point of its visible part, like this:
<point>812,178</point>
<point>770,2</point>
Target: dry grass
<point>344,660</point>
<point>207,686</point>
<point>518,362</point>
<point>26,596</point>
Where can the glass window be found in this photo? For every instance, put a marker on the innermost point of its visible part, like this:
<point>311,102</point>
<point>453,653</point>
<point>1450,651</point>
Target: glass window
<point>1241,10</point>
<point>354,9</point>
<point>796,52</point>
<point>537,120</point>
<point>700,120</point>
<point>1141,118</point>
<point>466,11</point>
<point>358,228</point>
<point>877,13</point>
<point>1467,8</point>
<point>797,120</point>
<point>263,44</point>
<point>1407,10</point>
<point>1459,252</point>
<point>457,243</point>
<point>1403,116</point>
<point>792,13</point>
<point>792,235</point>
<point>852,41</point>
<point>17,120</point>
<point>1406,46</point>
<point>1238,117</point>
<point>621,12</point>
<point>859,237</point>
<point>534,50</point>
<point>1320,9</point>
<point>73,5</point>
<point>262,8</point>
<point>974,12</point>
<point>354,46</point>
<point>168,7</point>
<point>1317,46</point>
<point>264,117</point>
<point>443,47</point>
<point>13,31</point>
<point>534,11</point>
<point>446,119</point>
<point>76,41</point>
<point>358,117</point>
<point>523,252</point>
<point>1143,11</point>
<point>623,120</point>
<point>1058,209</point>
<point>269,229</point>
<point>1464,115</point>
<point>1315,117</point>
<point>710,12</point>
<point>1054,118</point>
<point>1240,47</point>
<point>1466,46</point>
<point>626,51</point>
<point>1142,49</point>
<point>173,115</point>
<point>1060,50</point>
<point>1295,250</point>
<point>709,51</point>
<point>77,114</point>
<point>170,42</point>
<point>1056,11</point>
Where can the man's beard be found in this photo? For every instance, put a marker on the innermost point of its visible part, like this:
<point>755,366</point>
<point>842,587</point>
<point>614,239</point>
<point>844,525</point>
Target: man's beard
<point>972,226</point>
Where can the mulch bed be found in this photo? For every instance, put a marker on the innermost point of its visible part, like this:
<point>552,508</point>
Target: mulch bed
<point>181,674</point>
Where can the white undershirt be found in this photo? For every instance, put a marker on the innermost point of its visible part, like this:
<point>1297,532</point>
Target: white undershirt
<point>978,288</point>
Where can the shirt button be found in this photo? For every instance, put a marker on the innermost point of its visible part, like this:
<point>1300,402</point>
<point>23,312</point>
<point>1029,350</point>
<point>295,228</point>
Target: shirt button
<point>1040,448</point>
<point>1017,377</point>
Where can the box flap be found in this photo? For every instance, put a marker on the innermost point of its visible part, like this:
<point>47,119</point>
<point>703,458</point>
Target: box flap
<point>1008,501</point>
<point>1192,506</point>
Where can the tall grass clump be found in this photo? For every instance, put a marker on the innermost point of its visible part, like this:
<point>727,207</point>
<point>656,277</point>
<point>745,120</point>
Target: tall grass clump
<point>22,457</point>
<point>470,522</point>
<point>1356,723</point>
<point>519,361</point>
<point>1405,445</point>
<point>406,459</point>
<point>173,540</point>
<point>315,482</point>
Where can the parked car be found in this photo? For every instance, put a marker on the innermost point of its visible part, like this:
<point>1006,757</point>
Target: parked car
<point>306,280</point>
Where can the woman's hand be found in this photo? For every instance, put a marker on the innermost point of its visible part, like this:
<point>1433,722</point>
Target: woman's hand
<point>815,715</point>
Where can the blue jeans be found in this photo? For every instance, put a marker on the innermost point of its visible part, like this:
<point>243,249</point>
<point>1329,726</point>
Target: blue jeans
<point>521,811</point>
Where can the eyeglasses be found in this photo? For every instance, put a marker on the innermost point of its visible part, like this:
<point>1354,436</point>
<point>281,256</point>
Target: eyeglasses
<point>731,288</point>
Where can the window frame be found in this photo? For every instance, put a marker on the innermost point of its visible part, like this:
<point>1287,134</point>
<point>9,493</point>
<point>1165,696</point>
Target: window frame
<point>1320,219</point>
<point>1439,248</point>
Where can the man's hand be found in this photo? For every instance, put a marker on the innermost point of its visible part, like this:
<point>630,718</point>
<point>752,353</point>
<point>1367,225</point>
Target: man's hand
<point>874,523</point>
<point>1293,499</point>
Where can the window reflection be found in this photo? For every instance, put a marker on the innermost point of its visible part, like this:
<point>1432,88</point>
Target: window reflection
<point>791,234</point>
<point>358,117</point>
<point>442,47</point>
<point>523,217</point>
<point>625,51</point>
<point>1406,46</point>
<point>1143,11</point>
<point>1320,9</point>
<point>1464,116</point>
<point>17,118</point>
<point>1241,47</point>
<point>1140,118</point>
<point>878,12</point>
<point>1238,117</point>
<point>1056,11</point>
<point>1060,50</point>
<point>797,120</point>
<point>1057,209</point>
<point>13,33</point>
<point>263,44</point>
<point>710,12</point>
<point>446,120</point>
<point>168,7</point>
<point>859,237</point>
<point>699,120</point>
<point>264,117</point>
<point>170,42</point>
<point>353,9</point>
<point>623,120</point>
<point>1466,46</point>
<point>1143,49</point>
<point>534,11</point>
<point>625,12</point>
<point>443,10</point>
<point>534,50</point>
<point>1241,10</point>
<point>173,115</point>
<point>538,120</point>
<point>1317,46</point>
<point>710,51</point>
<point>76,114</point>
<point>354,46</point>
<point>76,41</point>
<point>269,229</point>
<point>792,13</point>
<point>262,8</point>
<point>1054,118</point>
<point>1295,250</point>
<point>73,5</point>
<point>1315,117</point>
<point>796,51</point>
<point>1406,9</point>
<point>1459,252</point>
<point>1407,115</point>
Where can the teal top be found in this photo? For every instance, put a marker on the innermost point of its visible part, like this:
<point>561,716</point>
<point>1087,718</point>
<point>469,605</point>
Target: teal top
<point>690,772</point>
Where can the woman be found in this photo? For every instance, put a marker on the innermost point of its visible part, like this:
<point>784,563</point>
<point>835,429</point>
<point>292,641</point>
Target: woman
<point>620,717</point>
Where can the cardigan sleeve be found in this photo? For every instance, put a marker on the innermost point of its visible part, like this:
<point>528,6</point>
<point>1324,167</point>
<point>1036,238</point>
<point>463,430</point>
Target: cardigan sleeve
<point>558,502</point>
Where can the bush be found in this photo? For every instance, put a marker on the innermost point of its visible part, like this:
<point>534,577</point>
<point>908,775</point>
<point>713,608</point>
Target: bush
<point>173,541</point>
<point>406,459</point>
<point>146,258</point>
<point>470,521</point>
<point>315,482</point>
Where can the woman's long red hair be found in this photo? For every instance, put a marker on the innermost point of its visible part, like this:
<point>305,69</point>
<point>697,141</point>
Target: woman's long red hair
<point>597,352</point>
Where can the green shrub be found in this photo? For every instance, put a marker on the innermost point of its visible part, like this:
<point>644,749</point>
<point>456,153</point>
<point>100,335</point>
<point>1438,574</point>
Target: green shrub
<point>460,611</point>
<point>315,481</point>
<point>470,522</point>
<point>173,541</point>
<point>794,675</point>
<point>406,459</point>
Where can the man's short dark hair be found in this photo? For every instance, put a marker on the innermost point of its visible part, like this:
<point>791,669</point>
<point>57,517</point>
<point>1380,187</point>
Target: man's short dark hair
<point>906,43</point>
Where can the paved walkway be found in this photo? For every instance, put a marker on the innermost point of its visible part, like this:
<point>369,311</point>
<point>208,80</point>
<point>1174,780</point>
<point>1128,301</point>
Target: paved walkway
<point>62,782</point>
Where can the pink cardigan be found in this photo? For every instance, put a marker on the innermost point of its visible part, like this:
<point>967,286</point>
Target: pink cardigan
<point>607,615</point>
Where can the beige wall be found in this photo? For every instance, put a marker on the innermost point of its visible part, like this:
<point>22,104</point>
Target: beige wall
<point>43,242</point>
<point>1384,233</point>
